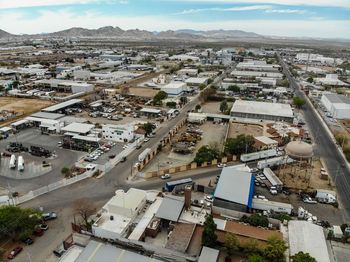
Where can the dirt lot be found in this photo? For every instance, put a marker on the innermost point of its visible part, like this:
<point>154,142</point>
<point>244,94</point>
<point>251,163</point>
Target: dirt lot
<point>247,129</point>
<point>296,177</point>
<point>22,106</point>
<point>144,92</point>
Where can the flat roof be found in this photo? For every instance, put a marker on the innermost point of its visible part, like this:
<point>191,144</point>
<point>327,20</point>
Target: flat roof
<point>337,99</point>
<point>197,80</point>
<point>266,140</point>
<point>150,110</point>
<point>48,115</point>
<point>271,176</point>
<point>62,105</point>
<point>208,254</point>
<point>170,209</point>
<point>262,108</point>
<point>129,200</point>
<point>79,128</point>
<point>235,186</point>
<point>174,85</point>
<point>98,251</point>
<point>309,238</point>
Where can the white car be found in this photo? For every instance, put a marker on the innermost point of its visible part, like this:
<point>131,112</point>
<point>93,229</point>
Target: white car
<point>222,165</point>
<point>209,198</point>
<point>165,176</point>
<point>309,200</point>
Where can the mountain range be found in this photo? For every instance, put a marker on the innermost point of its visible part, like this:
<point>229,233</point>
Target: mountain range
<point>136,34</point>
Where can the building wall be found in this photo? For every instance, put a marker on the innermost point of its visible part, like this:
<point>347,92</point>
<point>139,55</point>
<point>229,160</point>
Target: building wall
<point>118,134</point>
<point>79,88</point>
<point>262,117</point>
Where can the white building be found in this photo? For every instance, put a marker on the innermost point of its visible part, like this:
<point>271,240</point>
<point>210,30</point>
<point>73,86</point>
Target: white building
<point>118,213</point>
<point>188,72</point>
<point>174,88</point>
<point>337,105</point>
<point>262,111</point>
<point>317,59</point>
<point>81,75</point>
<point>331,80</point>
<point>240,73</point>
<point>197,81</point>
<point>257,65</point>
<point>118,133</point>
<point>66,85</point>
<point>184,58</point>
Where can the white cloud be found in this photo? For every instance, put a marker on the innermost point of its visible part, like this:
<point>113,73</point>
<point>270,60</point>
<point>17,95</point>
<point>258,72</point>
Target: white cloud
<point>17,22</point>
<point>336,3</point>
<point>286,11</point>
<point>7,4</point>
<point>266,8</point>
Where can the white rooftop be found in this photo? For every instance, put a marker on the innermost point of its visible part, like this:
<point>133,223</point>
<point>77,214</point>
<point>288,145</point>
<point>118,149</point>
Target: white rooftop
<point>196,80</point>
<point>266,140</point>
<point>262,108</point>
<point>78,128</point>
<point>309,238</point>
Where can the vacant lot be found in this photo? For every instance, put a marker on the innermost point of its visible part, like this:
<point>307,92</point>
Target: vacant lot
<point>247,129</point>
<point>22,106</point>
<point>143,92</point>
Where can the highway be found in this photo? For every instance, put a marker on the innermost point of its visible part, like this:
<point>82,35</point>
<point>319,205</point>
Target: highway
<point>325,147</point>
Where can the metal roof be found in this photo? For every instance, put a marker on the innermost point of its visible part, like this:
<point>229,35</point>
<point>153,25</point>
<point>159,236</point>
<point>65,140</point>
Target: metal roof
<point>79,128</point>
<point>208,254</point>
<point>150,110</point>
<point>47,115</point>
<point>262,108</point>
<point>170,209</point>
<point>235,186</point>
<point>308,238</point>
<point>62,105</point>
<point>337,99</point>
<point>97,252</point>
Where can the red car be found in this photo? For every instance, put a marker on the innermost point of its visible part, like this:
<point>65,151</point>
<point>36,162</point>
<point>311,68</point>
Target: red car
<point>38,232</point>
<point>14,252</point>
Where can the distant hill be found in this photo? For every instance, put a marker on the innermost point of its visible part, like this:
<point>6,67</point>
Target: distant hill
<point>136,34</point>
<point>4,34</point>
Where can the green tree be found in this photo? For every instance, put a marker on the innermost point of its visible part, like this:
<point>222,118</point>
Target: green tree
<point>284,83</point>
<point>206,93</point>
<point>148,127</point>
<point>255,258</point>
<point>161,95</point>
<point>223,106</point>
<point>198,107</point>
<point>183,100</point>
<point>298,101</point>
<point>17,223</point>
<point>231,244</point>
<point>310,79</point>
<point>171,104</point>
<point>347,153</point>
<point>255,220</point>
<point>206,154</point>
<point>302,257</point>
<point>208,236</point>
<point>251,247</point>
<point>234,88</point>
<point>274,250</point>
<point>341,139</point>
<point>202,86</point>
<point>240,144</point>
<point>65,171</point>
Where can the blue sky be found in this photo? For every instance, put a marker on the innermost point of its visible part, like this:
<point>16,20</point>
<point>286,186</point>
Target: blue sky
<point>313,18</point>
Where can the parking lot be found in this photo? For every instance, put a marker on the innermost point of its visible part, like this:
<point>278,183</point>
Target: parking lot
<point>35,174</point>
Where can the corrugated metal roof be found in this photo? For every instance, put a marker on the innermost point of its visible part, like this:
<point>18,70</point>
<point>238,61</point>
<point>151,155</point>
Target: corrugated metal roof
<point>235,186</point>
<point>62,105</point>
<point>170,209</point>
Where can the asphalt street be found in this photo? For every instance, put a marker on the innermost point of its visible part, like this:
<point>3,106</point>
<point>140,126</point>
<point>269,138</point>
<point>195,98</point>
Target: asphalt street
<point>325,147</point>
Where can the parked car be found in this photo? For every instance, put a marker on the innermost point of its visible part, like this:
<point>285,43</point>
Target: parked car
<point>165,176</point>
<point>309,200</point>
<point>138,146</point>
<point>123,159</point>
<point>14,252</point>
<point>221,165</point>
<point>49,216</point>
<point>209,198</point>
<point>44,227</point>
<point>146,140</point>
<point>28,241</point>
<point>38,232</point>
<point>273,191</point>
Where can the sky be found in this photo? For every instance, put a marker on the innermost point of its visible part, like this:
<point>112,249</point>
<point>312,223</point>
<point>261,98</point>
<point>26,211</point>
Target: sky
<point>292,18</point>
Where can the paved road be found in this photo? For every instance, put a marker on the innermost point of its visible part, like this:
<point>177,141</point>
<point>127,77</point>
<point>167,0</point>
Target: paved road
<point>325,147</point>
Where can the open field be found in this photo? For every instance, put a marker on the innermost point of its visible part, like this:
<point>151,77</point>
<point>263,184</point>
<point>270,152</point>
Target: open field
<point>247,129</point>
<point>22,106</point>
<point>143,92</point>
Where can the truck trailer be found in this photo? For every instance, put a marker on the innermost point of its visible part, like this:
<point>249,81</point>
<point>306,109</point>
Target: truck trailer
<point>13,162</point>
<point>144,154</point>
<point>20,166</point>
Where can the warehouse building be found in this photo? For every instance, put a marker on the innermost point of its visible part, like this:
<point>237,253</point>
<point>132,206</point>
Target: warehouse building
<point>66,85</point>
<point>262,111</point>
<point>337,105</point>
<point>197,81</point>
<point>308,238</point>
<point>175,88</point>
<point>235,189</point>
